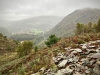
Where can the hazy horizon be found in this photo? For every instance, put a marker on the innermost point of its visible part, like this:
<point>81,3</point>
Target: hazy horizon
<point>21,9</point>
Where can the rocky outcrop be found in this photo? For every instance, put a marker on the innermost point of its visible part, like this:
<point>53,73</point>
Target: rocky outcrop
<point>84,60</point>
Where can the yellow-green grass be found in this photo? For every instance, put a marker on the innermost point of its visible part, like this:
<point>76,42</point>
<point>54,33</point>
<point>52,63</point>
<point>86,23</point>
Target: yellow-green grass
<point>7,57</point>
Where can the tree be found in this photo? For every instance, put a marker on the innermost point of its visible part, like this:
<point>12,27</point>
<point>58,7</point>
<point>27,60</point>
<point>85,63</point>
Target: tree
<point>79,28</point>
<point>94,27</point>
<point>36,48</point>
<point>86,29</point>
<point>1,35</point>
<point>25,48</point>
<point>98,26</point>
<point>90,28</point>
<point>52,40</point>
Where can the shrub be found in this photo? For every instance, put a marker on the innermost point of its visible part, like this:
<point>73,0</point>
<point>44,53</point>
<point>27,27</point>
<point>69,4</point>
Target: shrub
<point>98,35</point>
<point>80,41</point>
<point>54,67</point>
<point>52,40</point>
<point>36,48</point>
<point>21,71</point>
<point>8,48</point>
<point>24,48</point>
<point>17,42</point>
<point>5,37</point>
<point>1,35</point>
<point>0,73</point>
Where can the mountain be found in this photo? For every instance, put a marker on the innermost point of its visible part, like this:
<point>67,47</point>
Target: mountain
<point>67,26</point>
<point>3,27</point>
<point>37,24</point>
<point>4,23</point>
<point>4,31</point>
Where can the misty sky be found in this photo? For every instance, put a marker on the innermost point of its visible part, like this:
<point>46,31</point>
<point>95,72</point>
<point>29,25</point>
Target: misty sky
<point>20,9</point>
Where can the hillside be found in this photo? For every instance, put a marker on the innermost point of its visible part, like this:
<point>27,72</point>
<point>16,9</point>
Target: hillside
<point>76,59</point>
<point>4,31</point>
<point>33,24</point>
<point>69,56</point>
<point>67,26</point>
<point>7,49</point>
<point>4,23</point>
<point>7,45</point>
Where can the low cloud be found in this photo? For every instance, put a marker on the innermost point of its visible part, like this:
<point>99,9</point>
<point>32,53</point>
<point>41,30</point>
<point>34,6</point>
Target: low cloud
<point>20,9</point>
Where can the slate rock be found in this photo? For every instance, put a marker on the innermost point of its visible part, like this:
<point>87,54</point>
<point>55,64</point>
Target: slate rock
<point>96,55</point>
<point>62,63</point>
<point>65,71</point>
<point>78,50</point>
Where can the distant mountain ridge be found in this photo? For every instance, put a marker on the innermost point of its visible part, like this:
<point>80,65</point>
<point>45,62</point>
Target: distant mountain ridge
<point>67,26</point>
<point>40,22</point>
<point>4,31</point>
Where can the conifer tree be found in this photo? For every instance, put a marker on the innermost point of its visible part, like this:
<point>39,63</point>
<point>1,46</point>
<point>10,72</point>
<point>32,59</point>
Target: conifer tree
<point>52,40</point>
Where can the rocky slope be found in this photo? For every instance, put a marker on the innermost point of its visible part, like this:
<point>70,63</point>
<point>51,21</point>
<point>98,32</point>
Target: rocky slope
<point>77,55</point>
<point>67,26</point>
<point>84,60</point>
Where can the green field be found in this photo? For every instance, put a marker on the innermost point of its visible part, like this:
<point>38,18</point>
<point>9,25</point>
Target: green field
<point>36,31</point>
